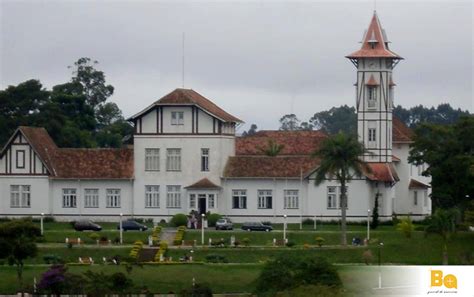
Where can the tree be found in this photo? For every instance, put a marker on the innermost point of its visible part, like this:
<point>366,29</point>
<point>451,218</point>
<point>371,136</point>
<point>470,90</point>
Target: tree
<point>251,131</point>
<point>375,212</point>
<point>448,152</point>
<point>443,114</point>
<point>289,122</point>
<point>272,149</point>
<point>17,243</point>
<point>93,82</point>
<point>443,223</point>
<point>20,105</point>
<point>340,159</point>
<point>290,272</point>
<point>335,120</point>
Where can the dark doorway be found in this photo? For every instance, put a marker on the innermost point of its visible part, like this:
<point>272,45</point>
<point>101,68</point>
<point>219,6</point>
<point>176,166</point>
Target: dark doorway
<point>202,203</point>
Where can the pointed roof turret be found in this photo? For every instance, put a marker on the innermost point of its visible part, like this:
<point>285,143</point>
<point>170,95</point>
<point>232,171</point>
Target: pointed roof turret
<point>374,43</point>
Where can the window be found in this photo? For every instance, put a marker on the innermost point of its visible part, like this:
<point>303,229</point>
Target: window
<point>265,199</point>
<point>152,159</point>
<point>372,134</point>
<point>332,197</point>
<point>239,199</point>
<point>113,198</point>
<point>173,197</point>
<point>415,198</point>
<point>173,159</point>
<point>372,97</point>
<point>211,201</point>
<point>20,196</point>
<point>69,198</point>
<point>205,159</point>
<point>152,196</point>
<point>192,201</point>
<point>425,198</point>
<point>291,199</point>
<point>177,118</point>
<point>20,159</point>
<point>91,198</point>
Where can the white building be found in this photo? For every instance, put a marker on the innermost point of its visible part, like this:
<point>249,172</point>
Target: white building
<point>186,157</point>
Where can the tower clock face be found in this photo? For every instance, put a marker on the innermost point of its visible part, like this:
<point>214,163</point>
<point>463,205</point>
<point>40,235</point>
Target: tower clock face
<point>371,64</point>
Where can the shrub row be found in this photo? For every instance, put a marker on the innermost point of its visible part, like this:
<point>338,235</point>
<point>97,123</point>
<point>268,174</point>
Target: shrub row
<point>155,235</point>
<point>137,246</point>
<point>161,251</point>
<point>179,235</point>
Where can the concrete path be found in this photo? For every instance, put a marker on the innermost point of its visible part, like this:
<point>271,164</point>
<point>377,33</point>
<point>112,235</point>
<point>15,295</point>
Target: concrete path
<point>168,235</point>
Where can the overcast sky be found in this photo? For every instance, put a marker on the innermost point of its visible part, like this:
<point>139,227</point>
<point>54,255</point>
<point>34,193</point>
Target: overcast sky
<point>257,60</point>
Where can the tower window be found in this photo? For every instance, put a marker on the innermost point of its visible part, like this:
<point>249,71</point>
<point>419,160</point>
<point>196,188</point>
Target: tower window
<point>372,96</point>
<point>177,118</point>
<point>372,134</point>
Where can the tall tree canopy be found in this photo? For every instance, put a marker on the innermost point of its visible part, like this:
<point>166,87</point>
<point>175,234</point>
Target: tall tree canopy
<point>340,159</point>
<point>74,113</point>
<point>337,119</point>
<point>289,122</point>
<point>449,152</point>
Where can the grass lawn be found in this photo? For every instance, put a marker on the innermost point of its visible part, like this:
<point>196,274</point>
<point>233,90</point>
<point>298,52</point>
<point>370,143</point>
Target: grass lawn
<point>240,278</point>
<point>158,279</point>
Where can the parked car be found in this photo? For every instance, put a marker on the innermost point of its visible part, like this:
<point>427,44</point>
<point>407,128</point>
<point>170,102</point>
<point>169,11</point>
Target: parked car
<point>224,224</point>
<point>86,225</point>
<point>256,227</point>
<point>132,225</point>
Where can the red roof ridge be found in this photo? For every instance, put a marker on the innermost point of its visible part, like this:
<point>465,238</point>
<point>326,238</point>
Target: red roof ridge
<point>374,43</point>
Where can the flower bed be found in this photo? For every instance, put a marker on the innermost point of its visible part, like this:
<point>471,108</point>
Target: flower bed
<point>178,239</point>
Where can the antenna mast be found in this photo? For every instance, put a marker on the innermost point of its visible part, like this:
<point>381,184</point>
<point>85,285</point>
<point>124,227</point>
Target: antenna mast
<point>182,62</point>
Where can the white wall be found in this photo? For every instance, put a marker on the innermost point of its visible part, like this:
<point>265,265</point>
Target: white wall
<point>220,147</point>
<point>39,189</point>
<point>57,187</point>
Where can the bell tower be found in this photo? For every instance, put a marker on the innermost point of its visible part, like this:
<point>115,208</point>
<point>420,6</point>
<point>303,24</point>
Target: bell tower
<point>374,92</point>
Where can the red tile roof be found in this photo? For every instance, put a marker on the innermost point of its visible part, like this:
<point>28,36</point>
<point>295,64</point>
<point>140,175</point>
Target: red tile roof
<point>94,163</point>
<point>295,142</point>
<point>78,163</point>
<point>383,172</point>
<point>414,184</point>
<point>191,97</point>
<point>269,167</point>
<point>374,35</point>
<point>372,81</point>
<point>42,144</point>
<point>400,132</point>
<point>204,183</point>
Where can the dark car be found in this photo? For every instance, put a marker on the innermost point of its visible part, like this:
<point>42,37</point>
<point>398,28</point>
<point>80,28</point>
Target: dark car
<point>224,224</point>
<point>256,227</point>
<point>86,225</point>
<point>132,225</point>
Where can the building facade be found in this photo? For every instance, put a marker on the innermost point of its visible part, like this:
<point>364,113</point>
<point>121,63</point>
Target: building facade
<point>186,156</point>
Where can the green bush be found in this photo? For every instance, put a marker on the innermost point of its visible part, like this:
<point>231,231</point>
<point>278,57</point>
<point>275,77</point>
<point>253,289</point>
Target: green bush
<point>287,273</point>
<point>94,236</point>
<point>290,244</point>
<point>216,258</point>
<point>406,226</point>
<point>319,241</point>
<point>246,241</point>
<point>179,219</point>
<point>308,222</point>
<point>212,219</point>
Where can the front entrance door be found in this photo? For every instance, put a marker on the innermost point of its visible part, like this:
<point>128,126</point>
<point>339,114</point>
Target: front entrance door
<point>202,203</point>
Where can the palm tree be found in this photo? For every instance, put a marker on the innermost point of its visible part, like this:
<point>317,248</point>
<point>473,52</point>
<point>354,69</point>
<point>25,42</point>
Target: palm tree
<point>340,158</point>
<point>272,149</point>
<point>443,222</point>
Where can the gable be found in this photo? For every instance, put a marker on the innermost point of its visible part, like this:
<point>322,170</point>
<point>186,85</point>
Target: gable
<point>19,157</point>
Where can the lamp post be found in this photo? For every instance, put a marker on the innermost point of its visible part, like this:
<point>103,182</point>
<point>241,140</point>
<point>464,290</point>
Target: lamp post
<point>121,229</point>
<point>202,228</point>
<point>41,223</point>
<point>284,229</point>
<point>368,224</point>
<point>380,268</point>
